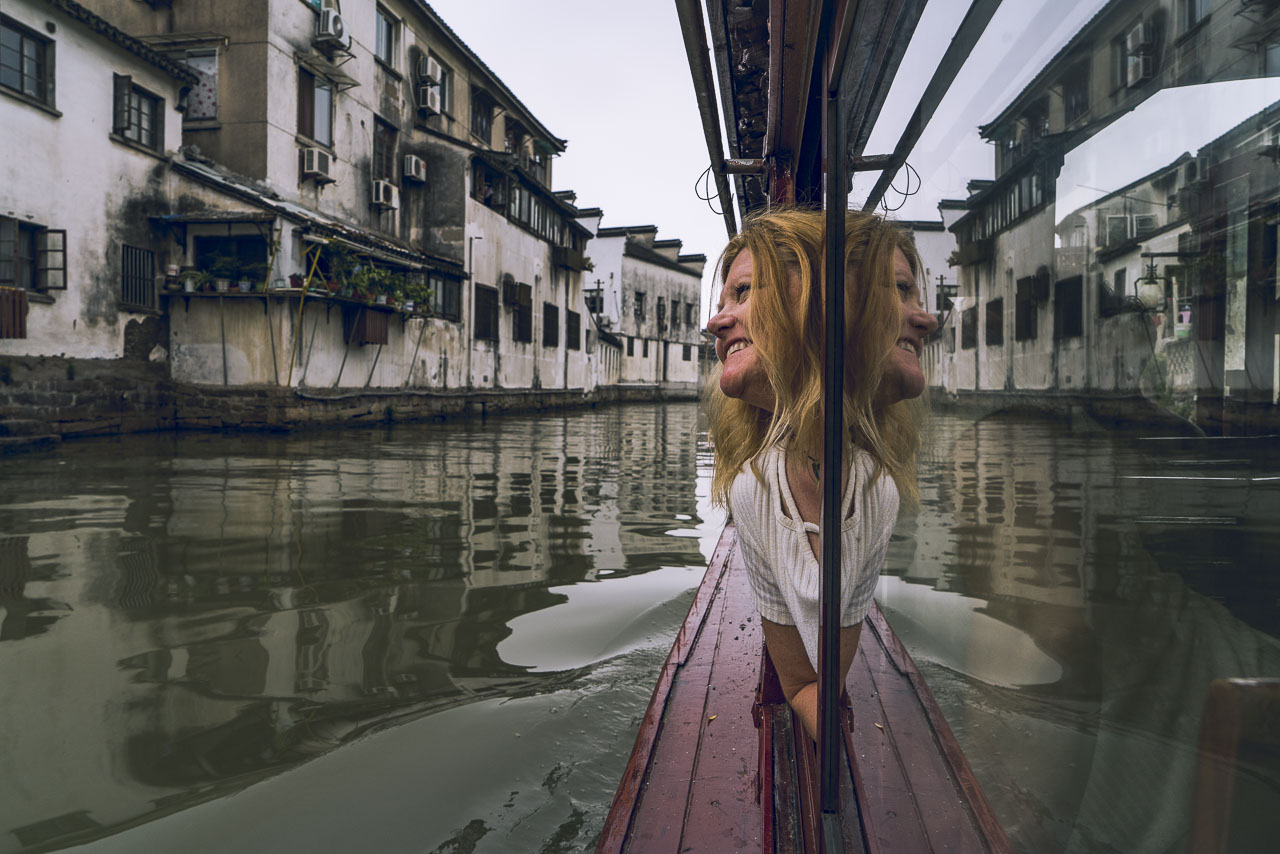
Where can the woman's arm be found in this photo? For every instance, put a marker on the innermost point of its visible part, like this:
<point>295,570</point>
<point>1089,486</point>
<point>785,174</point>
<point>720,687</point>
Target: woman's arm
<point>799,681</point>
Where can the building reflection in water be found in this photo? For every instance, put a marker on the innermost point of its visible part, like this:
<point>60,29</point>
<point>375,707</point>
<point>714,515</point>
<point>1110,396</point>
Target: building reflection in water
<point>236,604</point>
<point>1070,647</point>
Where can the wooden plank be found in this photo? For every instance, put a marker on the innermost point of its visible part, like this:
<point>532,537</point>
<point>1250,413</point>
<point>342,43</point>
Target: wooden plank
<point>992,835</point>
<point>722,812</point>
<point>621,812</point>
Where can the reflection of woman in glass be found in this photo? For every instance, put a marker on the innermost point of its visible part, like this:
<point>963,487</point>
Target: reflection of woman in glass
<point>766,421</point>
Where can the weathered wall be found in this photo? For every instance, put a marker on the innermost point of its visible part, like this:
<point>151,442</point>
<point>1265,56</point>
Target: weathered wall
<point>73,175</point>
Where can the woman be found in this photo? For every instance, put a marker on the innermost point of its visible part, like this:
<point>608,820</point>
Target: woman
<point>766,421</point>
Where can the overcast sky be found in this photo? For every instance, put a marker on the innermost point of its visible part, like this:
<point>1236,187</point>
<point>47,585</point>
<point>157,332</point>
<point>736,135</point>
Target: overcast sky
<point>613,79</point>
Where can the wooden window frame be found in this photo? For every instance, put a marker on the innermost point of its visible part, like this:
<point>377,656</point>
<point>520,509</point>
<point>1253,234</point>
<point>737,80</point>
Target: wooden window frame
<point>309,84</point>
<point>128,101</point>
<point>486,313</point>
<point>43,85</point>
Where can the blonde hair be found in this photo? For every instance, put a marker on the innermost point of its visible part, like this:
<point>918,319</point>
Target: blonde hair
<point>786,251</point>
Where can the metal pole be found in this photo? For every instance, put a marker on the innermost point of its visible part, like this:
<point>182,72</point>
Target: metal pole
<point>833,446</point>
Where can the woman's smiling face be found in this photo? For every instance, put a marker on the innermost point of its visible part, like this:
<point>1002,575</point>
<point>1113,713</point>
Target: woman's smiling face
<point>743,375</point>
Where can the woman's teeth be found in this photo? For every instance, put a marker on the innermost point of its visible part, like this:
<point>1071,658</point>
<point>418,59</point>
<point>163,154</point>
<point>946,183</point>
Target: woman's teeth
<point>906,345</point>
<point>735,347</point>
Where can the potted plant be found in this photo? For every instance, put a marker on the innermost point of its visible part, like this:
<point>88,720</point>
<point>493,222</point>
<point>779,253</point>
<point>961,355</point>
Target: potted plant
<point>296,281</point>
<point>193,280</point>
<point>222,268</point>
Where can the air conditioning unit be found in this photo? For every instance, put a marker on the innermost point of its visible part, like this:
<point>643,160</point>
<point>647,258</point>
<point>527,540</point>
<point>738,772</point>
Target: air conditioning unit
<point>386,195</point>
<point>415,168</point>
<point>330,30</point>
<point>1144,224</point>
<point>428,69</point>
<point>1195,169</point>
<point>429,98</point>
<point>1137,44</point>
<point>317,163</point>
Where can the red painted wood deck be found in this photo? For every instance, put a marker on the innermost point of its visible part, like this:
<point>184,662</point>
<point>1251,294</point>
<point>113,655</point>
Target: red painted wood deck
<point>692,781</point>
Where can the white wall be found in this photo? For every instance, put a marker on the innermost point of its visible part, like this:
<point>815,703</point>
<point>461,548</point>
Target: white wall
<point>66,172</point>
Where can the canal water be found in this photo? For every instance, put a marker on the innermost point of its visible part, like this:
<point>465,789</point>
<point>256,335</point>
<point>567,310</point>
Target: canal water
<point>441,638</point>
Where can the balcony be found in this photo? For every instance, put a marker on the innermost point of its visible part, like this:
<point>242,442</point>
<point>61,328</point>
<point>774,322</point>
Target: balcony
<point>973,253</point>
<point>564,256</point>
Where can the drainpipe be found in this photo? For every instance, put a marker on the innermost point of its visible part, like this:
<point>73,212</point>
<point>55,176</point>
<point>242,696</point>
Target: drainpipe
<point>468,328</point>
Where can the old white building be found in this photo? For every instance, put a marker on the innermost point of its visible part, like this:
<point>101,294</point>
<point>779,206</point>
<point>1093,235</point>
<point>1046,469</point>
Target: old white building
<point>88,118</point>
<point>646,292</point>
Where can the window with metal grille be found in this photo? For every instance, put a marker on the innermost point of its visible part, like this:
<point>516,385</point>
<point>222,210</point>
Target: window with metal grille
<point>995,321</point>
<point>138,115</point>
<point>486,313</point>
<point>572,330</point>
<point>26,62</point>
<point>550,325</point>
<point>137,277</point>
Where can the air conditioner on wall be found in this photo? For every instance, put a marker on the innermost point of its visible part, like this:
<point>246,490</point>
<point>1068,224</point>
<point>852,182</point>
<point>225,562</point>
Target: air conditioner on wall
<point>317,163</point>
<point>330,30</point>
<point>415,168</point>
<point>1137,46</point>
<point>429,98</point>
<point>386,195</point>
<point>429,69</point>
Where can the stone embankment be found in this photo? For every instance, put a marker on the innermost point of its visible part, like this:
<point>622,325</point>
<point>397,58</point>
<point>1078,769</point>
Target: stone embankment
<point>44,400</point>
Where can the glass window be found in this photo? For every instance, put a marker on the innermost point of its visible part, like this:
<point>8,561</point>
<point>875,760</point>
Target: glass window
<point>202,100</point>
<point>388,31</point>
<point>25,60</point>
<point>384,151</point>
<point>315,107</point>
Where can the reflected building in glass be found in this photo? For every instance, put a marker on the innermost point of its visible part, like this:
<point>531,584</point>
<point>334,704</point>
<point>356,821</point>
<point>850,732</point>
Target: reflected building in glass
<point>1123,258</point>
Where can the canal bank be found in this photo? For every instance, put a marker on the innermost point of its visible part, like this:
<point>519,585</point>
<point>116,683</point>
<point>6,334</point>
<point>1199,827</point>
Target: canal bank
<point>46,399</point>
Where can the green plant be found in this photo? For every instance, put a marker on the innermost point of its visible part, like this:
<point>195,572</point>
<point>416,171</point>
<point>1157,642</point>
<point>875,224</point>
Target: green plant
<point>341,262</point>
<point>224,266</point>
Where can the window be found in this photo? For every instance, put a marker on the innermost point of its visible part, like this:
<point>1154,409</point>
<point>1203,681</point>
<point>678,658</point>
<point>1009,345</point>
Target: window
<point>995,322</point>
<point>32,257</point>
<point>446,297</point>
<point>236,254</point>
<point>1197,11</point>
<point>1119,63</point>
<point>1068,308</point>
<point>646,348</point>
<point>1075,94</point>
<point>486,313</point>
<point>550,325</point>
<point>481,115</point>
<point>202,100</point>
<point>572,330</point>
<point>639,307</point>
<point>26,62</point>
<point>595,300</point>
<point>675,315</point>
<point>488,186</point>
<point>137,277</point>
<point>388,35</point>
<point>631,345</point>
<point>969,328</point>
<point>662,314</point>
<point>446,86</point>
<point>1025,312</point>
<point>1117,282</point>
<point>688,352</point>
<point>138,115</point>
<point>691,313</point>
<point>384,151</point>
<point>315,108</point>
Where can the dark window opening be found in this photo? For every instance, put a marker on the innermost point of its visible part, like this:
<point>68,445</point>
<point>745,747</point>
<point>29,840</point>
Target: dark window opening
<point>969,329</point>
<point>488,185</point>
<point>1024,312</point>
<point>688,352</point>
<point>384,151</point>
<point>639,307</point>
<point>572,330</point>
<point>486,313</point>
<point>646,348</point>
<point>32,258</point>
<point>230,257</point>
<point>995,321</point>
<point>482,115</point>
<point>550,325</point>
<point>1068,308</point>
<point>631,346</point>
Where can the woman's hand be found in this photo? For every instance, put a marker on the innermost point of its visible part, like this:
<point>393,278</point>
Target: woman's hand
<point>797,676</point>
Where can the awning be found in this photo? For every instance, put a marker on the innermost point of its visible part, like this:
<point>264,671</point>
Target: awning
<point>327,68</point>
<point>215,216</point>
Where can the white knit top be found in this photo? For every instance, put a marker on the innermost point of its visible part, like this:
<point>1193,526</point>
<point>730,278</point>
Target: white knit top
<point>785,575</point>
